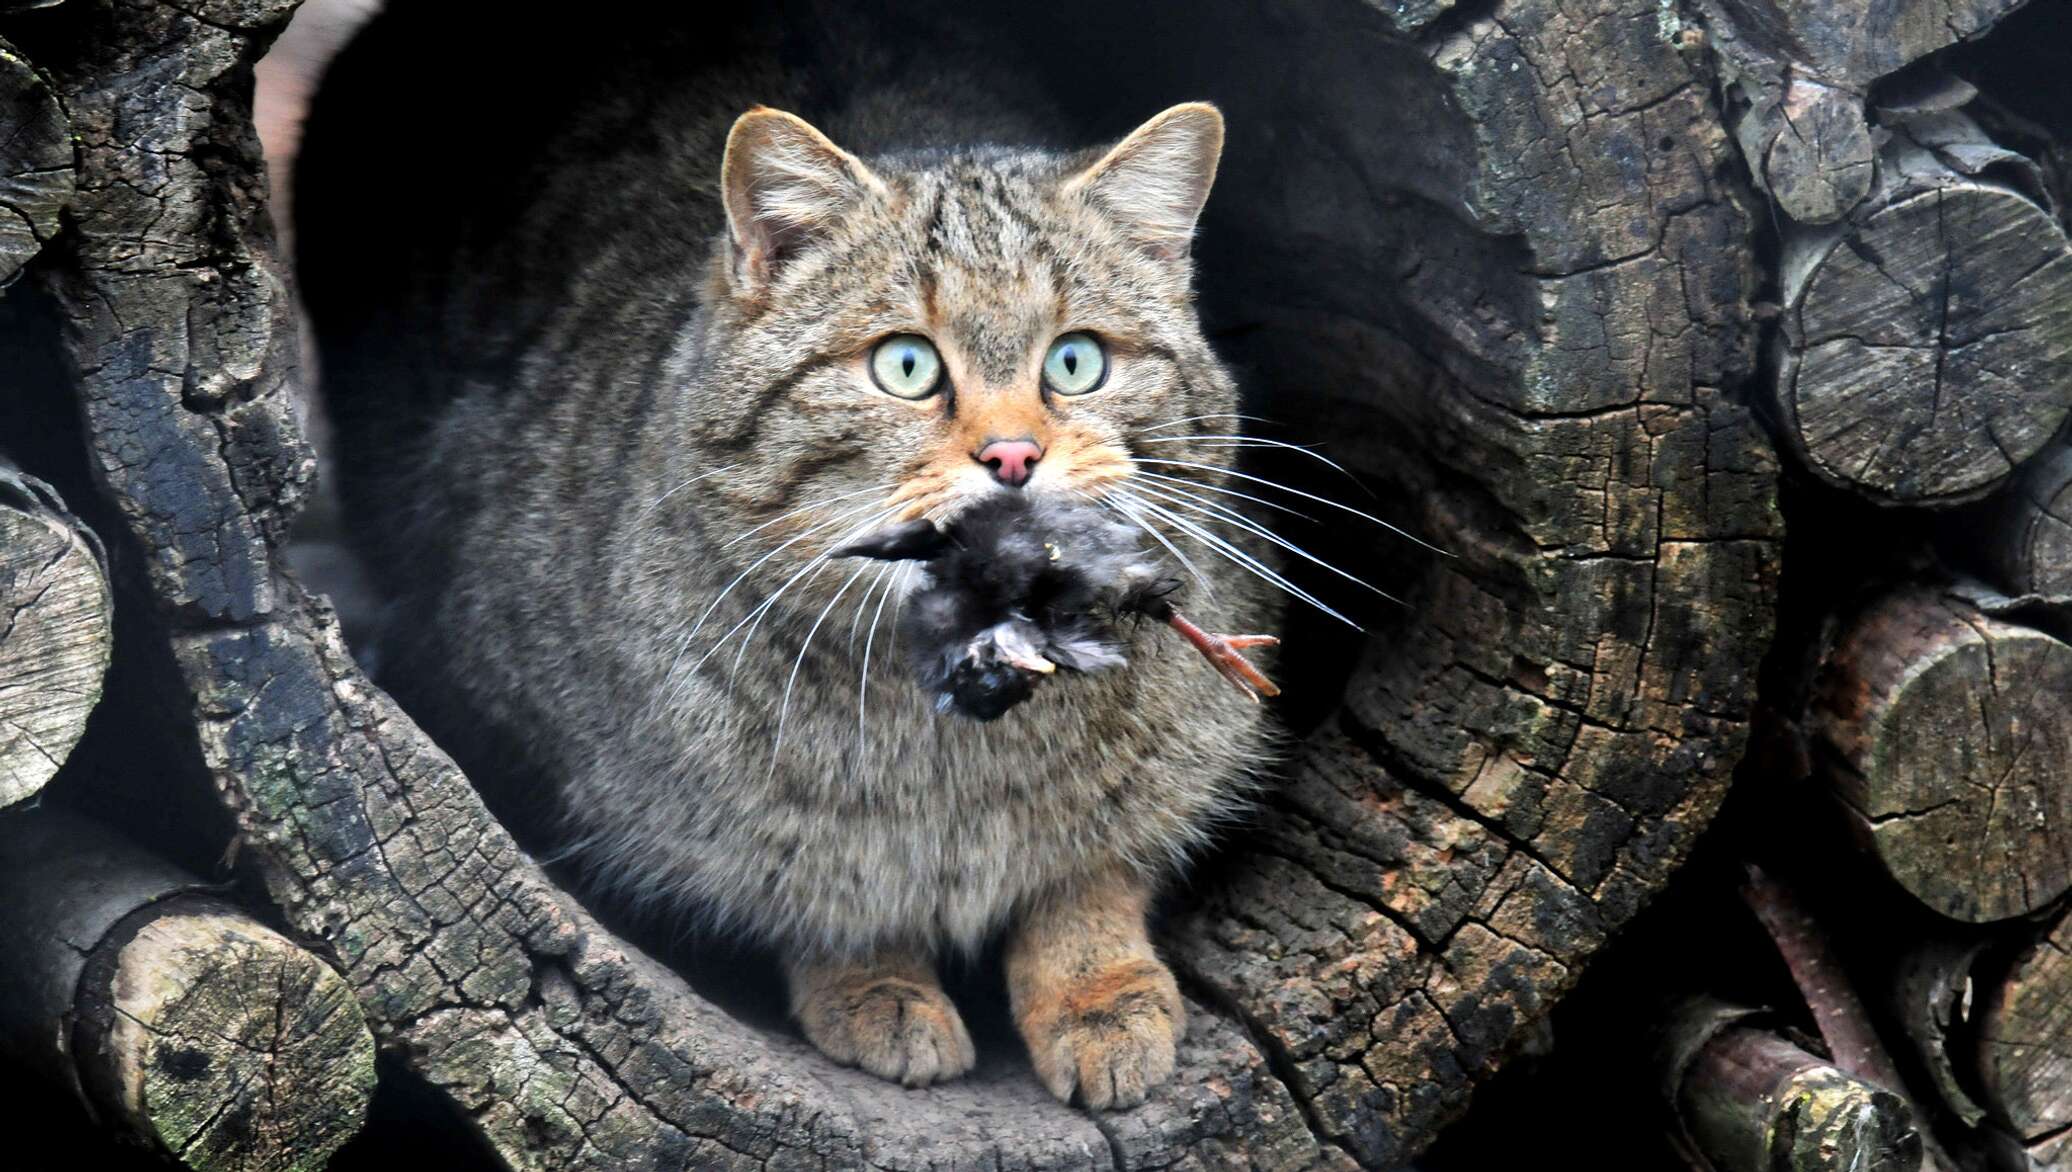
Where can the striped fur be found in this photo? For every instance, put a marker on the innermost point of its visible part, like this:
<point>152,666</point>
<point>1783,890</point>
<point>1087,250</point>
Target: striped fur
<point>587,451</point>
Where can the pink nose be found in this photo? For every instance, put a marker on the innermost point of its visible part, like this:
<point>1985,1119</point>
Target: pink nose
<point>1012,460</point>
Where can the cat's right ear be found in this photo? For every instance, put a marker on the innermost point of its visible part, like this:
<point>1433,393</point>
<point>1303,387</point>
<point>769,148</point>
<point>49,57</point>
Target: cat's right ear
<point>783,182</point>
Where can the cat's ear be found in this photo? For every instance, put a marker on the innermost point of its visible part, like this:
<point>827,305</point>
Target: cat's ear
<point>1156,180</point>
<point>782,182</point>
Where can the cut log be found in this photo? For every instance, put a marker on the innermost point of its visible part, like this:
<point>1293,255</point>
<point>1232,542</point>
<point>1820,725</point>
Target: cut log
<point>1949,740</point>
<point>2025,1039</point>
<point>195,1028</point>
<point>1926,348</point>
<point>56,632</point>
<point>2028,536</point>
<point>36,163</point>
<point>1751,1101</point>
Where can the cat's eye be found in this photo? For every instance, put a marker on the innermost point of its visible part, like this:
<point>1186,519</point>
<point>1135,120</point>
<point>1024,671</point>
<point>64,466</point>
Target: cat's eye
<point>906,365</point>
<point>1075,365</point>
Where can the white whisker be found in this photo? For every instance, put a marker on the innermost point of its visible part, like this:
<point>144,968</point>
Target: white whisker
<point>863,678</point>
<point>1322,500</point>
<point>1212,415</point>
<point>1219,489</point>
<point>657,502</point>
<point>1192,570</point>
<point>1214,511</point>
<point>1234,554</point>
<point>784,708</point>
<point>738,538</point>
<point>754,619</point>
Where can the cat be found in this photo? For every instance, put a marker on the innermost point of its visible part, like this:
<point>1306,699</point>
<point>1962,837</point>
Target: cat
<point>599,458</point>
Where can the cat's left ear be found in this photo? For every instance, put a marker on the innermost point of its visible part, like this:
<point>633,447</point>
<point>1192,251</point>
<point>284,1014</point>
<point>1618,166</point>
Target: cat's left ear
<point>783,182</point>
<point>1156,180</point>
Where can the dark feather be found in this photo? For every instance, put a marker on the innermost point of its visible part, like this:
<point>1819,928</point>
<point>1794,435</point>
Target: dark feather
<point>1015,584</point>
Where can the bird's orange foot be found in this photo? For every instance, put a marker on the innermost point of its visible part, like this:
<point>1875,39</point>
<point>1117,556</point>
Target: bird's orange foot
<point>1226,653</point>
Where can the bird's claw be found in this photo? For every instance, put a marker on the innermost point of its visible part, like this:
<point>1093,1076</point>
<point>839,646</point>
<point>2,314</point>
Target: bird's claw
<point>1225,653</point>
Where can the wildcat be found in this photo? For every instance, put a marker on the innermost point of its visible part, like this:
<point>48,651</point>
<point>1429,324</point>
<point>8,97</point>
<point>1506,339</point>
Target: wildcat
<point>600,458</point>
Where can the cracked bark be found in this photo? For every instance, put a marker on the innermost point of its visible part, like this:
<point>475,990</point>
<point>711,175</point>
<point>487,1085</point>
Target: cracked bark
<point>1536,331</point>
<point>56,632</point>
<point>179,1019</point>
<point>1947,738</point>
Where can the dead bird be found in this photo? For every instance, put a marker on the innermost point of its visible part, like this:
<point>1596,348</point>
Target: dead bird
<point>1017,588</point>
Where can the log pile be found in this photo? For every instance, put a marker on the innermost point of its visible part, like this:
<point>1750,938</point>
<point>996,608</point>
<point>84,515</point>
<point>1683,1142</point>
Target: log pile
<point>1529,288</point>
<point>1921,378</point>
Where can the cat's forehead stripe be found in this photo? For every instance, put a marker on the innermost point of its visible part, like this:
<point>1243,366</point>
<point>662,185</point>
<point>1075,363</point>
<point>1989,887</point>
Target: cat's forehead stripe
<point>987,271</point>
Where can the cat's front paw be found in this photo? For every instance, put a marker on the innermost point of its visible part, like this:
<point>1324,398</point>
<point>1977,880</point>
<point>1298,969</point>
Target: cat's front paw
<point>892,1026</point>
<point>1110,1035</point>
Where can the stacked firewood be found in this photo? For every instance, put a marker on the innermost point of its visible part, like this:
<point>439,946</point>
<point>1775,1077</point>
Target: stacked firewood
<point>177,1017</point>
<point>1922,376</point>
<point>173,1014</point>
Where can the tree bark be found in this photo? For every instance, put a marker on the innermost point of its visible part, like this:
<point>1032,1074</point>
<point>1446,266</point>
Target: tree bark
<point>56,632</point>
<point>1926,348</point>
<point>1930,1001</point>
<point>184,1021</point>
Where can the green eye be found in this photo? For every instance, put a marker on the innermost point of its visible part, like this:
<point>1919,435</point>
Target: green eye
<point>906,365</point>
<point>1075,365</point>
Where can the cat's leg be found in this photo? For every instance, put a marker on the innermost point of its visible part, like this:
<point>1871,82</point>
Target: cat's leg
<point>886,1013</point>
<point>1098,1009</point>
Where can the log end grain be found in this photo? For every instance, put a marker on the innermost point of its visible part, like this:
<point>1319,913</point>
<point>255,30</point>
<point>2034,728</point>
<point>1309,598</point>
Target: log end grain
<point>56,635</point>
<point>2025,1039</point>
<point>1753,1102</point>
<point>228,1045</point>
<point>36,162</point>
<point>1950,741</point>
<point>1929,348</point>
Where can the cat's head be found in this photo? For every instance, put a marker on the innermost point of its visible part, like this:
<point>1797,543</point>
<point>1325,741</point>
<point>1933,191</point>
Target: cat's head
<point>905,336</point>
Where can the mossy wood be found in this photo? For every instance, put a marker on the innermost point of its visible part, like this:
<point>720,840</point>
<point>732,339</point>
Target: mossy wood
<point>1752,1101</point>
<point>180,1020</point>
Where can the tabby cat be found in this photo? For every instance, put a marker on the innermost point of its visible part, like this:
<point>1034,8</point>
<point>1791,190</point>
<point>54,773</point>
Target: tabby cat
<point>603,497</point>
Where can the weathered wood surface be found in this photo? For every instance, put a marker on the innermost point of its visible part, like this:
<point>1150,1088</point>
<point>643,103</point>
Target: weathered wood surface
<point>1949,740</point>
<point>1521,764</point>
<point>2028,537</point>
<point>1930,1000</point>
<point>35,162</point>
<point>56,632</point>
<point>1926,348</point>
<point>185,1022</point>
<point>2025,1039</point>
<point>1751,1101</point>
<point>1803,68</point>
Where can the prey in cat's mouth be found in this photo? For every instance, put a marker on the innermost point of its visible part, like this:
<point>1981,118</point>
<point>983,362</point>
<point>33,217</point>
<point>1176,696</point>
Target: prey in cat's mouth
<point>1017,588</point>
